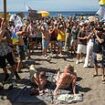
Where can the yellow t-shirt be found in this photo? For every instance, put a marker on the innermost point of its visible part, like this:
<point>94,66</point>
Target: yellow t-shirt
<point>102,2</point>
<point>61,36</point>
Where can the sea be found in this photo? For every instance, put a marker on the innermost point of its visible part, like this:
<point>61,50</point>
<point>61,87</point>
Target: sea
<point>64,13</point>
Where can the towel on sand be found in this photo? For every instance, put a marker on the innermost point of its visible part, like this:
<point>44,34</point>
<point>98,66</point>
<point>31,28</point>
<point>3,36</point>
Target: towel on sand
<point>68,98</point>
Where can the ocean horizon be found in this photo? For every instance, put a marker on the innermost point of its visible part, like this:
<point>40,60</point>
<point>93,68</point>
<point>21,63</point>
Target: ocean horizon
<point>62,13</point>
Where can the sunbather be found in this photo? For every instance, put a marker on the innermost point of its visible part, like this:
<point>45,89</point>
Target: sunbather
<point>39,78</point>
<point>66,79</point>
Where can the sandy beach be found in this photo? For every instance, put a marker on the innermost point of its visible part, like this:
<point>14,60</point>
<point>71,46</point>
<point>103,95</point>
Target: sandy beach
<point>50,37</point>
<point>92,88</point>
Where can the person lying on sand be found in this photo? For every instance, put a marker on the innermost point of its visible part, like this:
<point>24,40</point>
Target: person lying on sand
<point>66,79</point>
<point>39,79</point>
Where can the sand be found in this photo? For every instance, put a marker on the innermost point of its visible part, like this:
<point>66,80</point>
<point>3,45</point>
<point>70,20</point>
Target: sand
<point>92,87</point>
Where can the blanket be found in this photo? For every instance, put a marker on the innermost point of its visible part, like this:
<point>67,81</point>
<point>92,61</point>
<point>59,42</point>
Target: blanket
<point>69,98</point>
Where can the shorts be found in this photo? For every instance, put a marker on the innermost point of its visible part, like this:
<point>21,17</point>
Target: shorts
<point>45,43</point>
<point>21,52</point>
<point>101,63</point>
<point>81,49</point>
<point>9,57</point>
<point>26,40</point>
<point>60,43</point>
<point>38,40</point>
<point>53,38</point>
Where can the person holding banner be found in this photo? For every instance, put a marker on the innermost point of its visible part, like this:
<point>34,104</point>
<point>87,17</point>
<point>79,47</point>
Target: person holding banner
<point>101,11</point>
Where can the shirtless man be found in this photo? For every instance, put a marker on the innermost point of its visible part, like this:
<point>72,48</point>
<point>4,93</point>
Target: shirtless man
<point>45,39</point>
<point>66,79</point>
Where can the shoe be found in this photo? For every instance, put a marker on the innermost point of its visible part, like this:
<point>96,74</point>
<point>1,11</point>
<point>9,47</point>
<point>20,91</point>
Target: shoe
<point>60,55</point>
<point>81,60</point>
<point>90,65</point>
<point>77,62</point>
<point>85,66</point>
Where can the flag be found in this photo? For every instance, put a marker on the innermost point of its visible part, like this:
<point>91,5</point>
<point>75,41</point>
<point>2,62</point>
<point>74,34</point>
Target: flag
<point>28,7</point>
<point>101,12</point>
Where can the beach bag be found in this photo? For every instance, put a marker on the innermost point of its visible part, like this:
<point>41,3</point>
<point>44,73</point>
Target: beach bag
<point>99,57</point>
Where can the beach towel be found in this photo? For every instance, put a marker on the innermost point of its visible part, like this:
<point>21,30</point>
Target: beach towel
<point>69,98</point>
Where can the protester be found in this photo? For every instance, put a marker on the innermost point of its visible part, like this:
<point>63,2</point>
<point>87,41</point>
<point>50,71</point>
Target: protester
<point>67,36</point>
<point>74,33</point>
<point>20,49</point>
<point>45,39</point>
<point>98,48</point>
<point>60,39</point>
<point>82,41</point>
<point>6,52</point>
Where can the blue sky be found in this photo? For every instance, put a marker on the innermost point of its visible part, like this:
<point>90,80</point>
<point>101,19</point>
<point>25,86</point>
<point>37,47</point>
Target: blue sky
<point>51,5</point>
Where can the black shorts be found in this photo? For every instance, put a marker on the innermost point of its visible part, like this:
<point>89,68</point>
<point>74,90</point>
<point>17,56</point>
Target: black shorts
<point>53,38</point>
<point>33,39</point>
<point>9,58</point>
<point>101,63</point>
<point>38,40</point>
<point>21,52</point>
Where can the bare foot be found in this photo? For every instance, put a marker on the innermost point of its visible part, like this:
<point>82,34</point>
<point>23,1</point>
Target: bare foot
<point>55,93</point>
<point>103,79</point>
<point>94,75</point>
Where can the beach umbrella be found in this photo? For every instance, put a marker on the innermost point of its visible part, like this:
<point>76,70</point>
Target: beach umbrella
<point>44,13</point>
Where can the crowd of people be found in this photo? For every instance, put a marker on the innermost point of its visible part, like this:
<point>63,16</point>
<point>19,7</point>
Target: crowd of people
<point>78,37</point>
